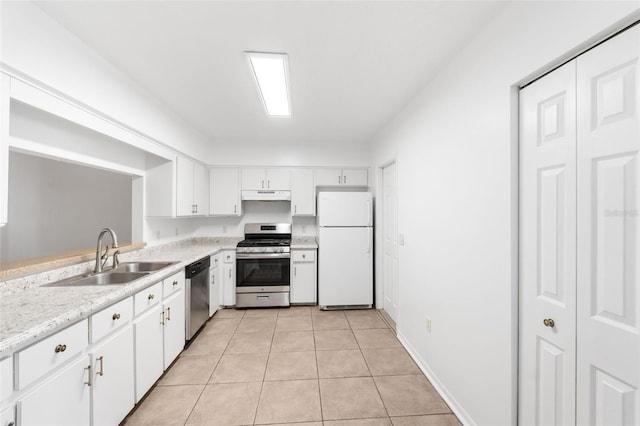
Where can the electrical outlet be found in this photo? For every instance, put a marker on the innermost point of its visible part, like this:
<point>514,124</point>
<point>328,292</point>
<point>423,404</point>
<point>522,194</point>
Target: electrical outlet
<point>428,325</point>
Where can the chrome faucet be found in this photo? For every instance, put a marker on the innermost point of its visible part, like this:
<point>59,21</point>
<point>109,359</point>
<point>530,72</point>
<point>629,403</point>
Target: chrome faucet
<point>101,259</point>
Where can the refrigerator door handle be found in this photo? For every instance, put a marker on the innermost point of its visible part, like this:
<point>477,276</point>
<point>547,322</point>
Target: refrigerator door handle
<point>370,240</point>
<point>369,218</point>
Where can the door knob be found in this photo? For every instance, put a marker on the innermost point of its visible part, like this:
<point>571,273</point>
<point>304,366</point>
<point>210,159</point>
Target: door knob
<point>548,322</point>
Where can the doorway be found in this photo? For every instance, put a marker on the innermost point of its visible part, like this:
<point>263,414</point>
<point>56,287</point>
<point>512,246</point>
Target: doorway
<point>390,240</point>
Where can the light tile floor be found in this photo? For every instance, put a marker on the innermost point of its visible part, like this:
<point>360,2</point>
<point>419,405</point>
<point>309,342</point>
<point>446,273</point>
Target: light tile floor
<point>294,366</point>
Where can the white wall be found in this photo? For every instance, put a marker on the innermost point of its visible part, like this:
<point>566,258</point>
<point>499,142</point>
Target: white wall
<point>35,45</point>
<point>56,207</point>
<point>456,154</point>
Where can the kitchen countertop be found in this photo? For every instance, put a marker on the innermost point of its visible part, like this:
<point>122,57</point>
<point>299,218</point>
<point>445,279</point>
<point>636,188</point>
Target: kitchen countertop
<point>304,243</point>
<point>29,312</point>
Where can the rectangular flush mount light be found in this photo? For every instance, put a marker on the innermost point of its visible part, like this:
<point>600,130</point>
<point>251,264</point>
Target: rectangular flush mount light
<point>271,72</point>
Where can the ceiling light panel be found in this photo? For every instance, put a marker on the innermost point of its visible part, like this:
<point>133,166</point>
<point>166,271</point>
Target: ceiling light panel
<point>271,73</point>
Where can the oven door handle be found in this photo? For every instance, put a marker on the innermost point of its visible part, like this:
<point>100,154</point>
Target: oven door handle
<point>263,255</point>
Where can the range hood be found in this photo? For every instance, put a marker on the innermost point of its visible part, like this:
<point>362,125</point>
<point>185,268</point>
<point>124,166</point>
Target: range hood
<point>266,195</point>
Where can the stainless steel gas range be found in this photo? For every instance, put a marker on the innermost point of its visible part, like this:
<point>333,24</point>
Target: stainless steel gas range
<point>263,265</point>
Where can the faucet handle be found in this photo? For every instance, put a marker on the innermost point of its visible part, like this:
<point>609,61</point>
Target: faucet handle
<point>116,258</point>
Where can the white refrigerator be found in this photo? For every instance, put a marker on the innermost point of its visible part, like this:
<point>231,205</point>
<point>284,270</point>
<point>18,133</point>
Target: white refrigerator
<point>345,249</point>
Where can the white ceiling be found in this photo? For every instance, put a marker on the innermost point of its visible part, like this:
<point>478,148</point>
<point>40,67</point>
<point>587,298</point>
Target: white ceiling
<point>353,64</point>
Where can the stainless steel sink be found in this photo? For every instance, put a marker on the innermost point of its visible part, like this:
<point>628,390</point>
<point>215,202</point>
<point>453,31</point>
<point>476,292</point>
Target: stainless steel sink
<point>105,278</point>
<point>142,266</point>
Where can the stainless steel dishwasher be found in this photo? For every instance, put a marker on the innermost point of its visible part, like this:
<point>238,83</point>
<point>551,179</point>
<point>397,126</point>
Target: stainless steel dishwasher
<point>197,295</point>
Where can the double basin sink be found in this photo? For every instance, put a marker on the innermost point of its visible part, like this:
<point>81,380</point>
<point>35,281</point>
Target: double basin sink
<point>125,273</point>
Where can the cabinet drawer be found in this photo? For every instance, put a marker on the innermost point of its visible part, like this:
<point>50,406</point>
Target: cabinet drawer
<point>215,261</point>
<point>172,284</point>
<point>144,299</point>
<point>228,257</point>
<point>39,359</point>
<point>303,255</point>
<point>111,318</point>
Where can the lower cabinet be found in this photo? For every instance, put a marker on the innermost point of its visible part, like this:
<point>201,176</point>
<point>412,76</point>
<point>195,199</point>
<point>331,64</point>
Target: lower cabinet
<point>229,278</point>
<point>173,319</point>
<point>96,370</point>
<point>215,286</point>
<point>303,277</point>
<point>64,399</point>
<point>159,331</point>
<point>148,349</point>
<point>113,384</point>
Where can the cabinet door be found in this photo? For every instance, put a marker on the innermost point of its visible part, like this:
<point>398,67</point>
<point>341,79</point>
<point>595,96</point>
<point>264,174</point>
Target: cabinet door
<point>278,179</point>
<point>113,379</point>
<point>355,177</point>
<point>63,400</point>
<point>303,282</point>
<point>200,190</point>
<point>184,187</point>
<point>214,289</point>
<point>229,277</point>
<point>224,197</point>
<point>253,178</point>
<point>303,193</point>
<point>5,89</point>
<point>148,331</point>
<point>328,177</point>
<point>174,327</point>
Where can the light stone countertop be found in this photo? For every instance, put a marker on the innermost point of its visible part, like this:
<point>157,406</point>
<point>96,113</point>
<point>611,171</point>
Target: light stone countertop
<point>29,312</point>
<point>304,243</point>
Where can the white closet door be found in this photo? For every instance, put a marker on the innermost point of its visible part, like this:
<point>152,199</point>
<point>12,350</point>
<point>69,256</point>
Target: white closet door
<point>547,249</point>
<point>609,233</point>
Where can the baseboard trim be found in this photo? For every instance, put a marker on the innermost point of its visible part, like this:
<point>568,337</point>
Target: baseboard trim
<point>457,409</point>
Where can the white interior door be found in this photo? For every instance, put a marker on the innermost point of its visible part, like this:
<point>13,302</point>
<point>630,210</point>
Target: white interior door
<point>548,250</point>
<point>390,245</point>
<point>608,317</point>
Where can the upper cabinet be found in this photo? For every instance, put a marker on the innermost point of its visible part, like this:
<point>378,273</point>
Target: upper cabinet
<point>192,188</point>
<point>260,178</point>
<point>342,177</point>
<point>224,184</point>
<point>303,193</point>
<point>5,99</point>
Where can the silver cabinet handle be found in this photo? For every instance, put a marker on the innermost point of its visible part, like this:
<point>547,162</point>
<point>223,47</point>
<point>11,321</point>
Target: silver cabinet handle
<point>235,208</point>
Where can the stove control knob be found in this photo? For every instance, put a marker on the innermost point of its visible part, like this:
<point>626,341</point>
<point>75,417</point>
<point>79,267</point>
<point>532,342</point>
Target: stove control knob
<point>261,249</point>
<point>280,249</point>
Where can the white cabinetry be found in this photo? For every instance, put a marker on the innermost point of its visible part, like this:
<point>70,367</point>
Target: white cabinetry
<point>215,289</point>
<point>113,378</point>
<point>112,360</point>
<point>303,193</point>
<point>159,330</point>
<point>229,277</point>
<point>342,177</point>
<point>64,399</point>
<point>303,277</point>
<point>148,338</point>
<point>5,100</point>
<point>174,326</point>
<point>277,178</point>
<point>192,191</point>
<point>224,195</point>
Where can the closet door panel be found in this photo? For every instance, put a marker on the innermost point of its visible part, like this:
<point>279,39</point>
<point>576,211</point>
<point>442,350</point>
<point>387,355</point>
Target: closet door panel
<point>608,313</point>
<point>547,249</point>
